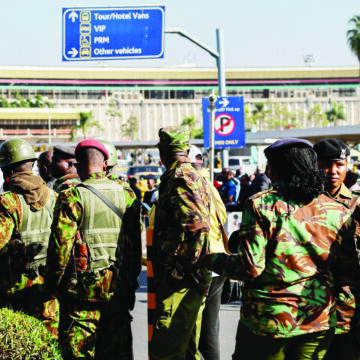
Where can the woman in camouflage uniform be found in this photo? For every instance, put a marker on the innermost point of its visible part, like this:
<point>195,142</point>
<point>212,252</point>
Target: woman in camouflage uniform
<point>293,240</point>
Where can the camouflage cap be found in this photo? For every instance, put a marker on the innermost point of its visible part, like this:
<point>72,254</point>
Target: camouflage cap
<point>174,139</point>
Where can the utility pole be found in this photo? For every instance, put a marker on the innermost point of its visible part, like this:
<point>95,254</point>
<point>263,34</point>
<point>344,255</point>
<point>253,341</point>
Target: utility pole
<point>219,56</point>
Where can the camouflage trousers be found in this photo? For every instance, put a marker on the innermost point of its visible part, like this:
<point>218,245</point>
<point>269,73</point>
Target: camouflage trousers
<point>95,331</point>
<point>177,323</point>
<point>47,312</point>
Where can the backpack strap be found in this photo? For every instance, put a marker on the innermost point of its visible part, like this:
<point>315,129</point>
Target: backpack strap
<point>107,202</point>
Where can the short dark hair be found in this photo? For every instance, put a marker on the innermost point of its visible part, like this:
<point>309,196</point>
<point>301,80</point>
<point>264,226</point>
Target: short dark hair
<point>90,156</point>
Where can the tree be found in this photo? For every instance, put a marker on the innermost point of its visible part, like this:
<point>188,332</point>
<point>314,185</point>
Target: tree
<point>20,102</point>
<point>190,122</point>
<point>112,110</point>
<point>335,113</point>
<point>315,116</point>
<point>130,128</point>
<point>272,115</point>
<point>353,37</point>
<point>86,121</point>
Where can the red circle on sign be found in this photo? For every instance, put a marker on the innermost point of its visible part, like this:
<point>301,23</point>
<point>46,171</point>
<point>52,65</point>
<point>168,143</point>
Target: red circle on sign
<point>224,124</point>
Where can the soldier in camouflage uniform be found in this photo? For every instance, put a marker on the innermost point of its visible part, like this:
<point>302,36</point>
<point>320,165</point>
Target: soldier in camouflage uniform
<point>181,235</point>
<point>43,165</point>
<point>63,168</point>
<point>96,276</point>
<point>26,213</point>
<point>332,159</point>
<point>112,161</point>
<point>293,241</point>
<point>209,343</point>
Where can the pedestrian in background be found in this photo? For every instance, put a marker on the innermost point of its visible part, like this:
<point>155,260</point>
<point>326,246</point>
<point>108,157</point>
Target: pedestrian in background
<point>134,188</point>
<point>227,189</point>
<point>96,275</point>
<point>152,194</point>
<point>293,241</point>
<point>209,343</point>
<point>26,211</point>
<point>180,237</point>
<point>260,183</point>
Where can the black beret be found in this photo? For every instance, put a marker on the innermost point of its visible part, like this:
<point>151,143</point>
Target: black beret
<point>331,149</point>
<point>64,151</point>
<point>287,143</point>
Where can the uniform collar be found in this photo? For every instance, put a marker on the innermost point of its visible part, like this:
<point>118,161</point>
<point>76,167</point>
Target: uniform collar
<point>343,193</point>
<point>97,175</point>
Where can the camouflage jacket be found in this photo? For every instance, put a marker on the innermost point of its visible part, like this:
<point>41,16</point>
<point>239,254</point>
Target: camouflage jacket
<point>66,182</point>
<point>345,299</point>
<point>14,255</point>
<point>288,256</point>
<point>68,216</point>
<point>181,226</point>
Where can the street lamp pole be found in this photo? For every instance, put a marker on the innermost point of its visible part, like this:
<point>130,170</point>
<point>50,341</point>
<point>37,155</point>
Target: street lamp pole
<point>219,56</point>
<point>49,125</point>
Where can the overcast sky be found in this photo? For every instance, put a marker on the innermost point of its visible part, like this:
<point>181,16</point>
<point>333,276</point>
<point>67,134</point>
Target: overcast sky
<point>257,33</point>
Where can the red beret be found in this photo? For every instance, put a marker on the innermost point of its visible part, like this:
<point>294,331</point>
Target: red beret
<point>94,144</point>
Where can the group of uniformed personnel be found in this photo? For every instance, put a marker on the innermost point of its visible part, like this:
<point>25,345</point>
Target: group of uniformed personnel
<point>71,257</point>
<point>70,251</point>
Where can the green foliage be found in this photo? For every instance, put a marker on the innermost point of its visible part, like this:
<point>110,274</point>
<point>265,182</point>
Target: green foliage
<point>315,116</point>
<point>86,121</point>
<point>198,133</point>
<point>190,122</point>
<point>335,113</point>
<point>130,128</point>
<point>274,115</point>
<point>23,337</point>
<point>20,102</point>
<point>353,36</point>
<point>112,111</point>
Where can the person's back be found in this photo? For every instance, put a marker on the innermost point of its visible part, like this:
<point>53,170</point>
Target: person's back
<point>180,235</point>
<point>99,274</point>
<point>298,262</point>
<point>293,242</point>
<point>26,214</point>
<point>260,183</point>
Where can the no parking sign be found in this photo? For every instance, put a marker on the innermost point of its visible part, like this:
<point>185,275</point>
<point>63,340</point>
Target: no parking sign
<point>229,125</point>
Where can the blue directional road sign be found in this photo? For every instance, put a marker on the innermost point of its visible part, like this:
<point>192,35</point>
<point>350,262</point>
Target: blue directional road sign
<point>113,33</point>
<point>229,125</point>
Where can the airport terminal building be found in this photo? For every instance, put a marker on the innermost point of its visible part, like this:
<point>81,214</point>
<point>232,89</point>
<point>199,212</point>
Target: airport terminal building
<point>147,99</point>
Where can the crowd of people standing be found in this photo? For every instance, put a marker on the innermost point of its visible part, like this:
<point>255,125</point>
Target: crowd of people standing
<point>70,250</point>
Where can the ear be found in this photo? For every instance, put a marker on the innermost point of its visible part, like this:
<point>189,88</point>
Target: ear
<point>105,164</point>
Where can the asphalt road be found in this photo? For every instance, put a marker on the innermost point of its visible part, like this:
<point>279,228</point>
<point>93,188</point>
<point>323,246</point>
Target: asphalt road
<point>229,317</point>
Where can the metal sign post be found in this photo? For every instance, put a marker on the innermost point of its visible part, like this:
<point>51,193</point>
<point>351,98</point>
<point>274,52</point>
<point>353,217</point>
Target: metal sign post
<point>212,100</point>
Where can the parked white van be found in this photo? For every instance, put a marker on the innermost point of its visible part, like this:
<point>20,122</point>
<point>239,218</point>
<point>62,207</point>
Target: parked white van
<point>244,163</point>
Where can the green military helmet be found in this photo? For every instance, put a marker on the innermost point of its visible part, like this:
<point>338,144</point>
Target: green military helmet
<point>112,161</point>
<point>16,150</point>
